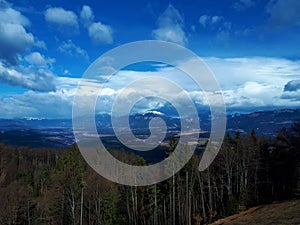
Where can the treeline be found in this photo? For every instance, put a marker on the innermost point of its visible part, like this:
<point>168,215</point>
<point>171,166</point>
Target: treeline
<point>47,186</point>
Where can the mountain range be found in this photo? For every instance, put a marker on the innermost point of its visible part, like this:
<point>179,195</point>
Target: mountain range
<point>38,132</point>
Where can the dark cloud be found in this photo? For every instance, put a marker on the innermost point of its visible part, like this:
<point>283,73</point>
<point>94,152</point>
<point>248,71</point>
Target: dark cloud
<point>291,91</point>
<point>293,85</point>
<point>291,96</point>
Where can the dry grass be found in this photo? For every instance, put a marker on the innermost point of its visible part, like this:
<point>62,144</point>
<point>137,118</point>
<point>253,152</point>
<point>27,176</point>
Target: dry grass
<point>280,213</point>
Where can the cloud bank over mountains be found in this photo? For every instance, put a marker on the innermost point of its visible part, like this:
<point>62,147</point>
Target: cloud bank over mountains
<point>245,82</point>
<point>44,51</point>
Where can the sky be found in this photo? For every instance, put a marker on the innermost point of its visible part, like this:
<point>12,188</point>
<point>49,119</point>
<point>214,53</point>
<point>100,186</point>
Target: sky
<point>251,46</point>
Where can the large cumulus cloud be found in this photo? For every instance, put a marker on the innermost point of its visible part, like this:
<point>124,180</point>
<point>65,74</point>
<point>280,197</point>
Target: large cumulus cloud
<point>14,38</point>
<point>19,66</point>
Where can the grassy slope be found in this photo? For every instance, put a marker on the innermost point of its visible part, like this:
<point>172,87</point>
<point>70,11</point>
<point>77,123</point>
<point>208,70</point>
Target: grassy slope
<point>281,213</point>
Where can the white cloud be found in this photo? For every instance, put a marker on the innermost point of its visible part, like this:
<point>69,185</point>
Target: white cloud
<point>86,16</point>
<point>14,40</point>
<point>40,44</point>
<point>193,28</point>
<point>9,15</point>
<point>11,107</point>
<point>246,82</point>
<point>284,13</point>
<point>203,20</point>
<point>33,79</point>
<point>69,48</point>
<point>242,5</point>
<point>207,20</point>
<point>64,20</point>
<point>216,19</point>
<point>171,27</point>
<point>237,71</point>
<point>33,104</point>
<point>248,79</point>
<point>248,3</point>
<point>217,23</point>
<point>52,104</point>
<point>66,72</point>
<point>254,94</point>
<point>36,59</point>
<point>100,33</point>
<point>258,81</point>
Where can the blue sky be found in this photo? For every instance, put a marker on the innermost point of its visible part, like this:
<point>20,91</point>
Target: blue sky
<point>45,46</point>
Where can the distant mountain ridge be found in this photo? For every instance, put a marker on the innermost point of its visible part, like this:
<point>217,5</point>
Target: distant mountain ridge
<point>263,122</point>
<point>58,132</point>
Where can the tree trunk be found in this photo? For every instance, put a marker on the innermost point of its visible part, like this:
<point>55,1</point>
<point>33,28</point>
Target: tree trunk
<point>81,206</point>
<point>174,215</point>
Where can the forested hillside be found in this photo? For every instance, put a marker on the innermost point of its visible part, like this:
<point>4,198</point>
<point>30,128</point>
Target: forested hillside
<point>56,186</point>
